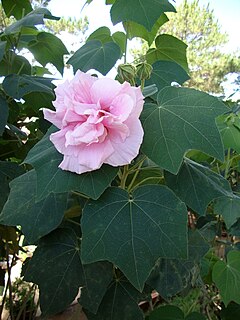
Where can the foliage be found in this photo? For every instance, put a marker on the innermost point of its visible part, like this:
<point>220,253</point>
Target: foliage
<point>146,233</point>
<point>198,27</point>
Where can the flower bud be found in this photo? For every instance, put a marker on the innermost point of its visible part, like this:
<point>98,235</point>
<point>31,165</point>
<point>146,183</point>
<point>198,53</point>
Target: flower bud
<point>144,70</point>
<point>127,72</point>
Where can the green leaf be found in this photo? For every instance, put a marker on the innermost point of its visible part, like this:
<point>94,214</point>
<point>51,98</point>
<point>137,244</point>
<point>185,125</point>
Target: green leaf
<point>229,208</point>
<point>33,18</point>
<point>120,302</point>
<point>168,48</point>
<point>102,34</point>
<point>2,49</point>
<point>197,185</point>
<point>226,276</point>
<point>195,316</point>
<point>48,48</point>
<point>231,312</point>
<point>171,276</point>
<point>8,171</point>
<point>3,113</point>
<point>95,55</point>
<point>145,13</point>
<point>167,312</point>
<point>37,100</point>
<point>50,178</point>
<point>230,132</point>
<point>120,39</point>
<point>36,218</point>
<point>166,72</point>
<point>183,119</point>
<point>149,90</point>
<point>16,8</point>
<point>56,268</point>
<point>13,63</point>
<point>97,277</point>
<point>16,86</point>
<point>114,229</point>
<point>134,29</point>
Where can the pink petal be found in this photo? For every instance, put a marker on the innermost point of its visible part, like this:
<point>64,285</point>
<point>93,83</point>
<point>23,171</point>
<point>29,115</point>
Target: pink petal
<point>136,94</point>
<point>105,90</point>
<point>122,106</point>
<point>125,152</point>
<point>54,117</point>
<point>81,84</point>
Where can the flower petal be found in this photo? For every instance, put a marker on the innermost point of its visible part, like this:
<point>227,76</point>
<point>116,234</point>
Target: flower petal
<point>104,90</point>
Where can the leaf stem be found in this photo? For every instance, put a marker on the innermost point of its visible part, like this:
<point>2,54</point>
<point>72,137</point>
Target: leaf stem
<point>124,176</point>
<point>228,163</point>
<point>135,175</point>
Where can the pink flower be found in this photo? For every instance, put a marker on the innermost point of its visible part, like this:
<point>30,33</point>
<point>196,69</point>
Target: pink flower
<point>98,121</point>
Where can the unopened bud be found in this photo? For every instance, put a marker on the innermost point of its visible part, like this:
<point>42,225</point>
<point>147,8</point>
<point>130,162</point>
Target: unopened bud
<point>144,71</point>
<point>127,72</point>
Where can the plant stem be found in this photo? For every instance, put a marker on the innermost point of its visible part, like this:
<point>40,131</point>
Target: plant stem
<point>9,284</point>
<point>135,174</point>
<point>142,84</point>
<point>124,177</point>
<point>228,164</point>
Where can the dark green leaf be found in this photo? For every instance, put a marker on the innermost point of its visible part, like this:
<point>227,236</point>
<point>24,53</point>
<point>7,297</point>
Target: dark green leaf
<point>137,30</point>
<point>50,178</point>
<point>3,113</point>
<point>229,208</point>
<point>231,312</point>
<point>97,277</point>
<point>226,276</point>
<point>2,49</point>
<point>195,316</point>
<point>36,219</point>
<point>33,18</point>
<point>16,8</point>
<point>17,86</point>
<point>168,48</point>
<point>95,55</point>
<point>183,119</point>
<point>167,313</point>
<point>8,171</point>
<point>56,268</point>
<point>47,48</point>
<point>121,228</point>
<point>120,302</point>
<point>37,100</point>
<point>145,13</point>
<point>197,185</point>
<point>13,63</point>
<point>166,72</point>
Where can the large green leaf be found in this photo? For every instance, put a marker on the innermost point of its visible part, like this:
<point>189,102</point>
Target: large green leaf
<point>13,63</point>
<point>2,48</point>
<point>134,29</point>
<point>16,8</point>
<point>229,208</point>
<point>35,218</point>
<point>47,48</point>
<point>97,277</point>
<point>183,119</point>
<point>121,228</point>
<point>171,312</point>
<point>16,86</point>
<point>197,185</point>
<point>120,302</point>
<point>166,72</point>
<point>56,268</point>
<point>229,131</point>
<point>168,48</point>
<point>33,18</point>
<point>231,312</point>
<point>96,55</point>
<point>8,171</point>
<point>102,34</point>
<point>3,113</point>
<point>171,276</point>
<point>145,13</point>
<point>50,178</point>
<point>226,276</point>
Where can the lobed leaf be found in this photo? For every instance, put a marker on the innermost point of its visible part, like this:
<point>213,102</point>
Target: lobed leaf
<point>121,228</point>
<point>183,119</point>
